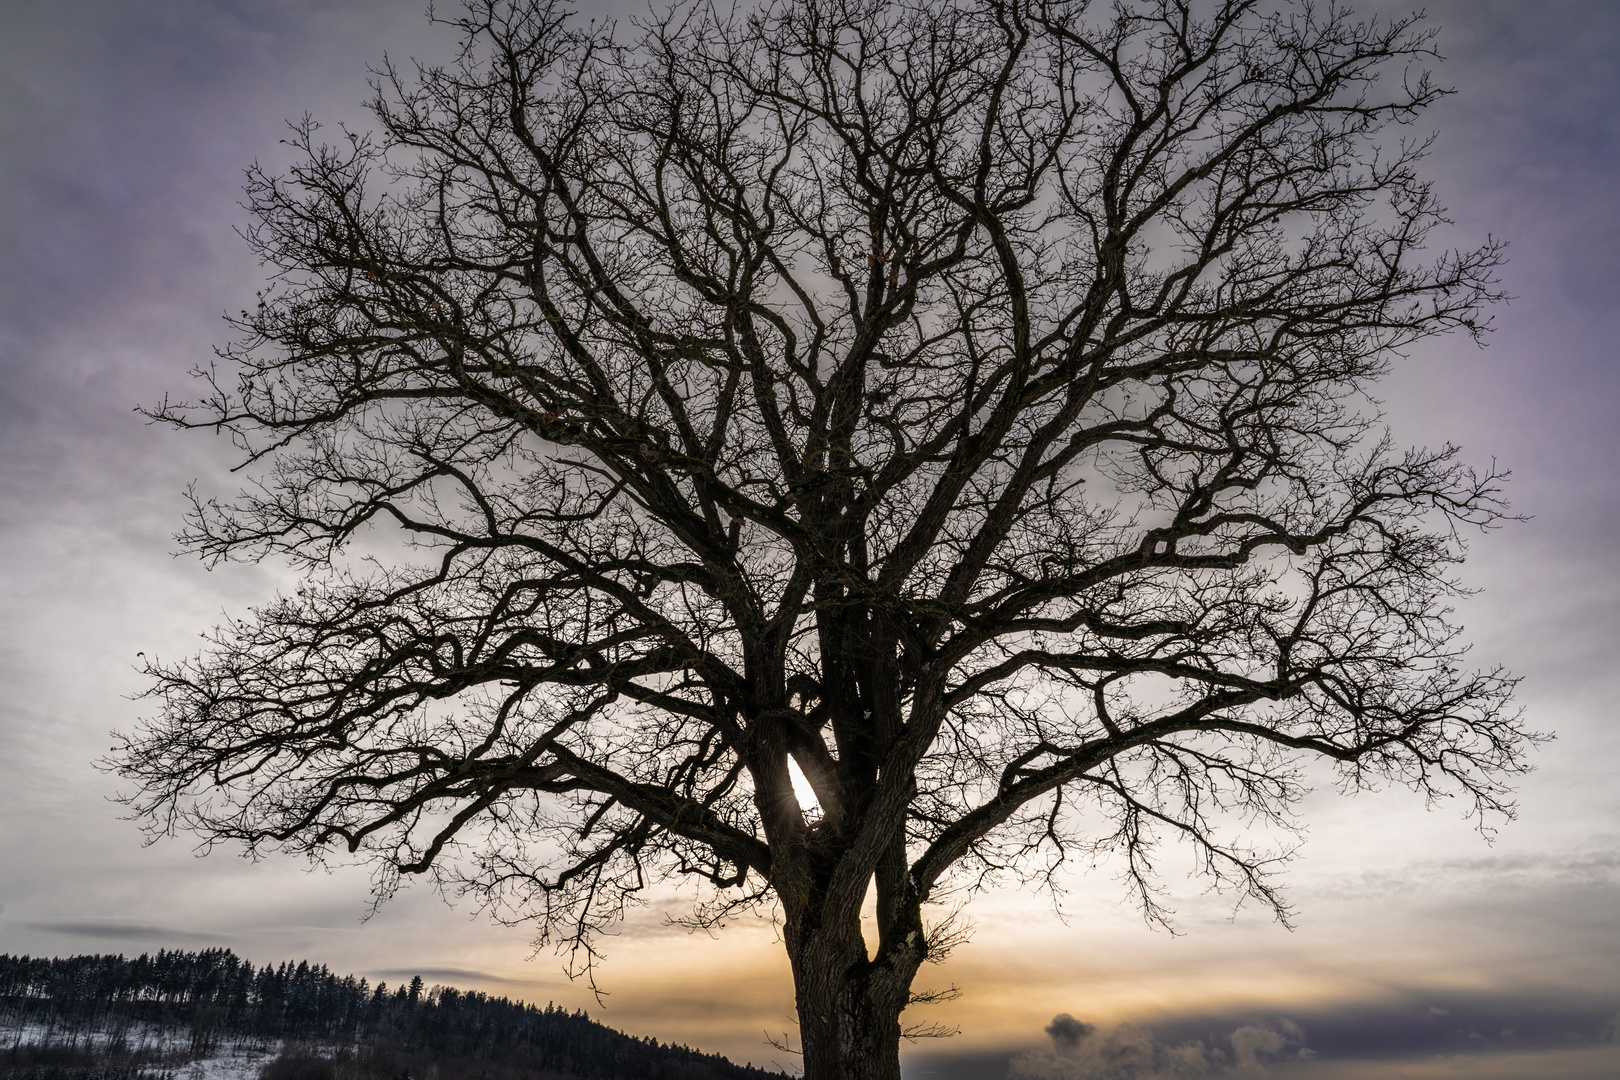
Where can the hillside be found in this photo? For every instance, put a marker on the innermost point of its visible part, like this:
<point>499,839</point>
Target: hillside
<point>211,1016</point>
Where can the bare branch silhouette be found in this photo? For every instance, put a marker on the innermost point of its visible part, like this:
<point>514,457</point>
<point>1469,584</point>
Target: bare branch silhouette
<point>965,402</point>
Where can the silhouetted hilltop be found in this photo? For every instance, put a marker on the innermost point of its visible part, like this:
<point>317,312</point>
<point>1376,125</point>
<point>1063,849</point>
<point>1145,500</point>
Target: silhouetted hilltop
<point>66,1018</point>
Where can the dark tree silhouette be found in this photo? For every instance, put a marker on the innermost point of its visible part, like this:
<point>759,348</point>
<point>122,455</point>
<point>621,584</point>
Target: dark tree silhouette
<point>963,403</point>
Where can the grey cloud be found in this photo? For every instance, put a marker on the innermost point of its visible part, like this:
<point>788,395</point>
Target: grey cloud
<point>123,931</point>
<point>1548,869</point>
<point>450,976</point>
<point>1416,1023</point>
<point>1404,1027</point>
<point>1125,1049</point>
<point>1081,1051</point>
<point>1067,1032</point>
<point>1577,865</point>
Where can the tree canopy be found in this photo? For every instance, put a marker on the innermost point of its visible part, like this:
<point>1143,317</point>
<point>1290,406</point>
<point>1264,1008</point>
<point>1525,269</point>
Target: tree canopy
<point>964,404</point>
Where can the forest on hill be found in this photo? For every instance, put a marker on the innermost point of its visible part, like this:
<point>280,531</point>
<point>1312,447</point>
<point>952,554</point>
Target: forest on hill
<point>106,1017</point>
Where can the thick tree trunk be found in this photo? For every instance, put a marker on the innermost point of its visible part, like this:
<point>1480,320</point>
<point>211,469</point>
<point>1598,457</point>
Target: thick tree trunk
<point>849,1005</point>
<point>849,1019</point>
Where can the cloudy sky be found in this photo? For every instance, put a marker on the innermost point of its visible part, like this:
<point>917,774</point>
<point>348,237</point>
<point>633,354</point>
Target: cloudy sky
<point>1420,949</point>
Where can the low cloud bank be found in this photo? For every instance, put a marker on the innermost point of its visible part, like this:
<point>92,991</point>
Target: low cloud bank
<point>1418,1023</point>
<point>1491,1035</point>
<point>1081,1051</point>
<point>122,931</point>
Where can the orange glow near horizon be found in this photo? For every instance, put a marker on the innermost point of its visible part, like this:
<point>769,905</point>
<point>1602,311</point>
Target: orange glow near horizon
<point>727,992</point>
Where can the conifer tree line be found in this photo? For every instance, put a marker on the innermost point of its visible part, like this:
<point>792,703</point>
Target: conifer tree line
<point>217,997</point>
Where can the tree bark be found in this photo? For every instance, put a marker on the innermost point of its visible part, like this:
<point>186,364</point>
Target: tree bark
<point>849,996</point>
<point>849,1009</point>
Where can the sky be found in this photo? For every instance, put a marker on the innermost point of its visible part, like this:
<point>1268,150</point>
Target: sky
<point>1420,950</point>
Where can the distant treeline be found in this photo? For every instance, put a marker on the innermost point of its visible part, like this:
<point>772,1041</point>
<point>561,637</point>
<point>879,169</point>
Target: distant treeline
<point>214,995</point>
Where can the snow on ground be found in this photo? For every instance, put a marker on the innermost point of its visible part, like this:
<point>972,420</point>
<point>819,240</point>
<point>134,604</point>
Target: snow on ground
<point>236,1057</point>
<point>229,1065</point>
<point>143,1038</point>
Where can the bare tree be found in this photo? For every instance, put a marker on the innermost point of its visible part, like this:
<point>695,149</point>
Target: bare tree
<point>961,402</point>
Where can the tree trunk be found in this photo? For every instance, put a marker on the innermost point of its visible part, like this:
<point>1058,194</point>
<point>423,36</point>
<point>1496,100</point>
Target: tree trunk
<point>846,1031</point>
<point>849,1006</point>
